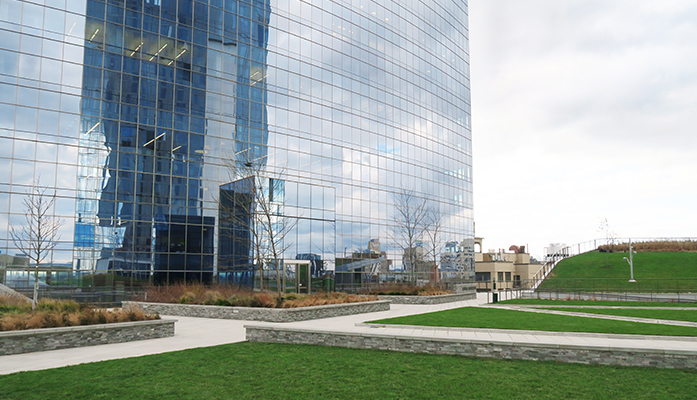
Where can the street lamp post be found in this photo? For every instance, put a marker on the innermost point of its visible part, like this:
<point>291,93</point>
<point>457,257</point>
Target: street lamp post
<point>631,262</point>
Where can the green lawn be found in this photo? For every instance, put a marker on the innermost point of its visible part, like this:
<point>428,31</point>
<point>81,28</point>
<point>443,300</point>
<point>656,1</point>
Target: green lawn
<point>673,315</point>
<point>496,318</point>
<point>607,272</point>
<point>277,371</point>
<point>597,303</point>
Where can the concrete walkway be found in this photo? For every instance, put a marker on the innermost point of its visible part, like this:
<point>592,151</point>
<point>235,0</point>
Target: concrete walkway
<point>580,313</point>
<point>354,324</point>
<point>202,332</point>
<point>189,333</point>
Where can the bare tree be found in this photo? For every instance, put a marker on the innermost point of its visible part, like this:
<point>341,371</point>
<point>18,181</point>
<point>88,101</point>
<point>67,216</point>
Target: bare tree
<point>434,232</point>
<point>610,235</point>
<point>262,214</point>
<point>38,236</point>
<point>410,220</point>
<point>237,219</point>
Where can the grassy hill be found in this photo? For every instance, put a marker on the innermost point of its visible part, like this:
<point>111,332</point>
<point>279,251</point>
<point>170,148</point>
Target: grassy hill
<point>653,271</point>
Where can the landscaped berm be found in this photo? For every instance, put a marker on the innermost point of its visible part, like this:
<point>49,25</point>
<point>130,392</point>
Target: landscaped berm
<point>608,271</point>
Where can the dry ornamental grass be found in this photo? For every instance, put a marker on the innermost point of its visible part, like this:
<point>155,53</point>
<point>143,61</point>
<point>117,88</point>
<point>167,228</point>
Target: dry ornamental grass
<point>50,313</point>
<point>224,295</point>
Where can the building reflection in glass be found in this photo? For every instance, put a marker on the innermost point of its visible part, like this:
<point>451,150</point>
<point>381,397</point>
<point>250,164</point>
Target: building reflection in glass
<point>131,110</point>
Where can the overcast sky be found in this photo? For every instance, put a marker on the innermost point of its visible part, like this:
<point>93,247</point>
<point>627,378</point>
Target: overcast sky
<point>582,110</point>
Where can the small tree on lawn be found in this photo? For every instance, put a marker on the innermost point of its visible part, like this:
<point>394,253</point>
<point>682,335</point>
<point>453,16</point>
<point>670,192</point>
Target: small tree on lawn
<point>38,236</point>
<point>610,235</point>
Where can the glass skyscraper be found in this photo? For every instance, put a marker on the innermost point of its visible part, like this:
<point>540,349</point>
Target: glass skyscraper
<point>134,111</point>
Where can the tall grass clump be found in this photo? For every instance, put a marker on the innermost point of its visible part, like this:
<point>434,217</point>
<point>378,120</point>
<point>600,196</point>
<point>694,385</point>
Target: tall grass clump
<point>189,293</point>
<point>12,302</point>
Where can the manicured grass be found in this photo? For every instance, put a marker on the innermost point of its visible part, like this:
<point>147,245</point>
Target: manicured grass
<point>673,315</point>
<point>495,318</point>
<point>277,371</point>
<point>597,303</point>
<point>607,272</point>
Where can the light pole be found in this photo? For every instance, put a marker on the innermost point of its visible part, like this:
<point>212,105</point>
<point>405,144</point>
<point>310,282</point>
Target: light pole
<point>631,262</point>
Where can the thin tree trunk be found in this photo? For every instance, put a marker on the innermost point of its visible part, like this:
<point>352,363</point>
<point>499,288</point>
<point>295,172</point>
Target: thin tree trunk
<point>35,297</point>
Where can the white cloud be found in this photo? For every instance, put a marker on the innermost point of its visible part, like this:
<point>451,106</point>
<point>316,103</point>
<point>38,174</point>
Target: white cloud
<point>583,110</point>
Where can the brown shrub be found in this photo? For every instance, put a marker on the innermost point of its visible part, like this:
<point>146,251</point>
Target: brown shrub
<point>265,300</point>
<point>35,321</point>
<point>51,320</point>
<point>13,323</point>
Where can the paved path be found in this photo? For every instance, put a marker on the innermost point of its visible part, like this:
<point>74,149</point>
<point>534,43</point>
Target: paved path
<point>202,332</point>
<point>355,324</point>
<point>571,295</point>
<point>580,313</point>
<point>189,333</point>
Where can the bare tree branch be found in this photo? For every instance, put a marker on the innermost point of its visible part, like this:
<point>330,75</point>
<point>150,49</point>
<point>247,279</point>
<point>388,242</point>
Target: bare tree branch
<point>410,220</point>
<point>262,214</point>
<point>434,232</point>
<point>38,236</point>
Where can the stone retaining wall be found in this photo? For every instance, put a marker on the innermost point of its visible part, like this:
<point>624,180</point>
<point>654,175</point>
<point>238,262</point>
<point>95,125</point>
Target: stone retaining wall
<point>478,348</point>
<point>261,314</point>
<point>31,340</point>
<point>470,287</point>
<point>438,299</point>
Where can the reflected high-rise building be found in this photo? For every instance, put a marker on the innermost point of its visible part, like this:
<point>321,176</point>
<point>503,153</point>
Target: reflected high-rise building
<point>136,112</point>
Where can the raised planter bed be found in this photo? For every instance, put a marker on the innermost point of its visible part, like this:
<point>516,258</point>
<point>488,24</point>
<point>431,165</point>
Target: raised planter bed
<point>488,348</point>
<point>31,340</point>
<point>437,299</point>
<point>262,314</point>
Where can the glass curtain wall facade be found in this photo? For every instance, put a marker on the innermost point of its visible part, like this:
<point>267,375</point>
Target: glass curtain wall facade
<point>139,114</point>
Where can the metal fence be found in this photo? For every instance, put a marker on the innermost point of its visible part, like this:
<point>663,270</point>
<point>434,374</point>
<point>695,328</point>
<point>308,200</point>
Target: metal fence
<point>352,282</point>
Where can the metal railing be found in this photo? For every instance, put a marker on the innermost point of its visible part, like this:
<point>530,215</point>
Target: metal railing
<point>503,295</point>
<point>352,282</point>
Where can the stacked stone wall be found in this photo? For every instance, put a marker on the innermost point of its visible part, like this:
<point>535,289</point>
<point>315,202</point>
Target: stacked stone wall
<point>479,348</point>
<point>262,314</point>
<point>32,340</point>
<point>438,299</point>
